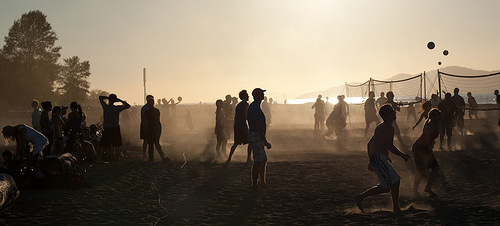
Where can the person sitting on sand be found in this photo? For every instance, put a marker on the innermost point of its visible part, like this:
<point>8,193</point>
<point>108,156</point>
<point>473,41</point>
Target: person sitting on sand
<point>10,165</point>
<point>426,107</point>
<point>257,138</point>
<point>240,126</point>
<point>423,154</point>
<point>378,152</point>
<point>220,128</point>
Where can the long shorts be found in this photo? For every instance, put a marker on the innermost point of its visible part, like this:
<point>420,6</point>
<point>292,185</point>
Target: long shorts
<point>111,136</point>
<point>386,174</point>
<point>423,158</point>
<point>259,153</point>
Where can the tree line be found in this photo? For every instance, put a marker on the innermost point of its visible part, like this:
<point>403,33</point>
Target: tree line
<point>30,67</point>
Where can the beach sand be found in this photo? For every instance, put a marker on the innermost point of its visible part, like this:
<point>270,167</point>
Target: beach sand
<point>312,182</point>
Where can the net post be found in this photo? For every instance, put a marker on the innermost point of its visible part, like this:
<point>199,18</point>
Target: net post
<point>144,82</point>
<point>425,88</point>
<point>439,82</point>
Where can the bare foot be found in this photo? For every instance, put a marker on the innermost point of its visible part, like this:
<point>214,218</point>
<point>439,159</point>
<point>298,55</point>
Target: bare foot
<point>431,193</point>
<point>358,201</point>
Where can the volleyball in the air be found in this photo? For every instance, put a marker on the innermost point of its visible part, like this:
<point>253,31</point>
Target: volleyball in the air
<point>431,45</point>
<point>445,52</point>
<point>439,63</point>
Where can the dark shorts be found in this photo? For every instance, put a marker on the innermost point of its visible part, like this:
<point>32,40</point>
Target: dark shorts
<point>423,158</point>
<point>143,134</point>
<point>446,128</point>
<point>111,137</point>
<point>240,135</point>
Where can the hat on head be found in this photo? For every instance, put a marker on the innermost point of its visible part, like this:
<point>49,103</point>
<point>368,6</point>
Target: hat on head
<point>258,91</point>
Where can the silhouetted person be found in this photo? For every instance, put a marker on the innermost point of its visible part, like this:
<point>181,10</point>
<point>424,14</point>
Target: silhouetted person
<point>435,100</point>
<point>378,152</point>
<point>220,128</point>
<point>319,113</point>
<point>459,117</point>
<point>423,153</point>
<point>240,125</point>
<point>337,119</point>
<point>449,110</point>
<point>381,100</point>
<point>395,106</point>
<point>266,108</point>
<point>57,125</point>
<point>111,136</point>
<point>473,106</point>
<point>425,108</point>
<point>23,135</point>
<point>370,112</point>
<point>228,112</point>
<point>153,130</point>
<point>45,127</point>
<point>257,138</point>
<point>411,112</point>
<point>189,119</point>
<point>144,123</point>
<point>35,115</point>
<point>497,100</point>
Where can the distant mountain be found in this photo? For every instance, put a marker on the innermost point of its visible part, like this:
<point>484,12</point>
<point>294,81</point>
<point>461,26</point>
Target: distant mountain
<point>431,76</point>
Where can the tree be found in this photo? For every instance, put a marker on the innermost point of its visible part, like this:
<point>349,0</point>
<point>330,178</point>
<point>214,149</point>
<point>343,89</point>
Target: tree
<point>72,81</point>
<point>30,59</point>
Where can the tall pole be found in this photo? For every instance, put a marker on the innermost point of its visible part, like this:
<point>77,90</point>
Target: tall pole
<point>346,90</point>
<point>144,81</point>
<point>439,82</point>
<point>425,88</point>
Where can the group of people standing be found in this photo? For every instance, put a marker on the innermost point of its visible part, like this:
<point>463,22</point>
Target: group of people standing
<point>249,124</point>
<point>337,118</point>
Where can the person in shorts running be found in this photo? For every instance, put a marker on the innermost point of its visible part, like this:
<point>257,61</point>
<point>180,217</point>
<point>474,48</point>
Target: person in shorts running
<point>378,151</point>
<point>240,126</point>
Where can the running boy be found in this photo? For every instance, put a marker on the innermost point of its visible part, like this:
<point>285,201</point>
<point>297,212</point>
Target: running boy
<point>378,151</point>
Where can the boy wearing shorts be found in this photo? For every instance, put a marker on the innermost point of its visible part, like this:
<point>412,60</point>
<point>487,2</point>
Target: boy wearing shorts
<point>378,151</point>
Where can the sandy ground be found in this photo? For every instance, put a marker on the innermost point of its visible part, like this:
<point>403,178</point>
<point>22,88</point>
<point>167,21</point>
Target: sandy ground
<point>313,182</point>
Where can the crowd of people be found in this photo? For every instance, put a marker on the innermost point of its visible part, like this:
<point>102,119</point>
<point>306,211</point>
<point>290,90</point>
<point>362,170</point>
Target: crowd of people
<point>52,133</point>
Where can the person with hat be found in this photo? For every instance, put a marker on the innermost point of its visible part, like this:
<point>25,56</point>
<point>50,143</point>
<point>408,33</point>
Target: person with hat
<point>257,139</point>
<point>378,151</point>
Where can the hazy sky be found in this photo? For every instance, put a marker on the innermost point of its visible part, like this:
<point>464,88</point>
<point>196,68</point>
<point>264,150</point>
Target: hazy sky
<point>202,50</point>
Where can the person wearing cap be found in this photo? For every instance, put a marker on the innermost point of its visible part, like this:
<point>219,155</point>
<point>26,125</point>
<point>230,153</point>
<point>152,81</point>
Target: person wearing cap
<point>422,152</point>
<point>378,151</point>
<point>111,135</point>
<point>257,139</point>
